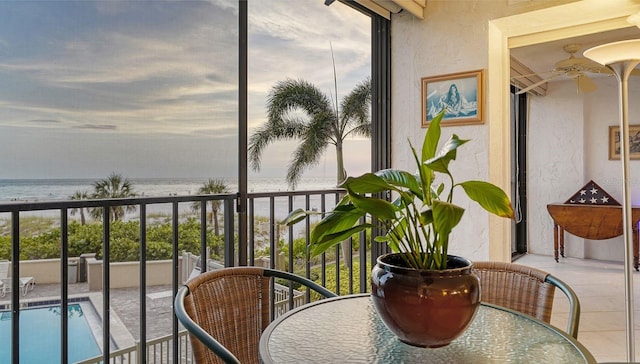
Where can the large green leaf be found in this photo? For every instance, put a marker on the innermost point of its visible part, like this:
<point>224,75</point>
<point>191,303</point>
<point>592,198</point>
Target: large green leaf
<point>432,138</point>
<point>425,176</point>
<point>492,198</point>
<point>379,208</point>
<point>327,241</point>
<point>340,219</point>
<point>401,179</point>
<point>426,217</point>
<point>440,163</point>
<point>445,217</point>
<point>366,183</point>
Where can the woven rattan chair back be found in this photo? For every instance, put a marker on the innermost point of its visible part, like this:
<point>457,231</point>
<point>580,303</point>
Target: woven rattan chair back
<point>232,306</point>
<point>517,287</point>
<point>525,289</point>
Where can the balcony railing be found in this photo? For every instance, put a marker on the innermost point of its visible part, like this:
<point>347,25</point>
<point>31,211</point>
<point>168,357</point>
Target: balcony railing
<point>343,270</point>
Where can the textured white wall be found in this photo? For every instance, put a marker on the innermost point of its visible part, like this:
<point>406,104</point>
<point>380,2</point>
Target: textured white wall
<point>555,167</point>
<point>443,44</point>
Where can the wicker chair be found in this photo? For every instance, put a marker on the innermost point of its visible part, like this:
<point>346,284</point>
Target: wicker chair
<point>226,310</point>
<point>525,289</point>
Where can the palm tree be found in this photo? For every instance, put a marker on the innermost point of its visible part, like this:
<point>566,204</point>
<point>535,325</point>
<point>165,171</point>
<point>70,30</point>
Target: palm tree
<point>80,195</point>
<point>212,186</point>
<point>114,186</point>
<point>299,110</point>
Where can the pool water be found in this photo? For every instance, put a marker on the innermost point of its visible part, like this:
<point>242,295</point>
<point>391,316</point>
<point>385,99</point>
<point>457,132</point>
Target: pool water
<point>40,335</point>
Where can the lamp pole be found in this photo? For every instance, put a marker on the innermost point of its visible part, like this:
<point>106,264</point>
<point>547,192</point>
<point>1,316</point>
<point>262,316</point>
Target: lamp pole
<point>621,58</point>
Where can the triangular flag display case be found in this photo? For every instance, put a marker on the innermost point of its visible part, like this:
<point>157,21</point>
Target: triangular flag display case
<point>592,194</point>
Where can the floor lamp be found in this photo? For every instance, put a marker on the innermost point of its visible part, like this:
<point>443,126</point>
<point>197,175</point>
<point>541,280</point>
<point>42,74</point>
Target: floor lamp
<point>621,58</point>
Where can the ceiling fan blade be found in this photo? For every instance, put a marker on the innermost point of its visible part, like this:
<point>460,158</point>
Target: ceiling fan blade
<point>585,84</point>
<point>607,71</point>
<point>539,74</point>
<point>537,84</point>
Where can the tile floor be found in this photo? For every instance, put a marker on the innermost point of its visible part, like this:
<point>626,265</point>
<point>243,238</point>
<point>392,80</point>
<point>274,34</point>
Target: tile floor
<point>600,288</point>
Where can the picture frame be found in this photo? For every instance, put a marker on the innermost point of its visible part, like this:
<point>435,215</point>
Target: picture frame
<point>614,142</point>
<point>462,94</point>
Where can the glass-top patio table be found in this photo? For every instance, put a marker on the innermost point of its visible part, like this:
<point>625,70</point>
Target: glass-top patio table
<point>347,329</point>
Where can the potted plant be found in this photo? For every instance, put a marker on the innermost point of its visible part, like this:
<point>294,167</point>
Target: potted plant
<point>425,296</point>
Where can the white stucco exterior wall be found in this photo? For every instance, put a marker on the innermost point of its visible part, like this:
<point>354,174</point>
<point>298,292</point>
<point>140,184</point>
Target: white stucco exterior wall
<point>442,44</point>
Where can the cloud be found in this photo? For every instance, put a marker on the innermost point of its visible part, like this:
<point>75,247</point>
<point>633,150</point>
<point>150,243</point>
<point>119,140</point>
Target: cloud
<point>43,121</point>
<point>155,69</point>
<point>97,127</point>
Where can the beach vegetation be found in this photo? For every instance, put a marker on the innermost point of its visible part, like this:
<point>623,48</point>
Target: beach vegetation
<point>80,195</point>
<point>29,225</point>
<point>211,187</point>
<point>349,281</point>
<point>114,186</point>
<point>124,244</point>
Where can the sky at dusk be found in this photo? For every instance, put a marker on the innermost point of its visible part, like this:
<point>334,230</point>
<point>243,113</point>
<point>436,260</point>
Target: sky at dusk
<point>149,88</point>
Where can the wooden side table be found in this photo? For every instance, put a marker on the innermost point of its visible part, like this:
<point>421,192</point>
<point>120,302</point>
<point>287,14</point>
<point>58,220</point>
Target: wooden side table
<point>596,222</point>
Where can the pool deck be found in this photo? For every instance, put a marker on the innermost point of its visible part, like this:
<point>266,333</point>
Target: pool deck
<point>125,308</point>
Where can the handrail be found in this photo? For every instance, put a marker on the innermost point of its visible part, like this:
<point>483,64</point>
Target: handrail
<point>120,356</point>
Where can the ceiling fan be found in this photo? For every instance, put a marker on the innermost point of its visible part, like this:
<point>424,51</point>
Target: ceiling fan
<point>575,68</point>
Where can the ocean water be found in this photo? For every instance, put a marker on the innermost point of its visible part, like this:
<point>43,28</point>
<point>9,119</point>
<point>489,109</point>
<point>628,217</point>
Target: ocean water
<point>38,190</point>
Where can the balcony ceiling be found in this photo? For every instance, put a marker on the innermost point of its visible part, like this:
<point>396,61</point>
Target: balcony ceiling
<point>542,58</point>
<point>387,7</point>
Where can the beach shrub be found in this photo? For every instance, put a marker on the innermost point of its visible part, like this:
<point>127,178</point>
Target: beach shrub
<point>124,241</point>
<point>124,250</point>
<point>41,246</point>
<point>158,250</point>
<point>330,279</point>
<point>299,249</point>
<point>85,239</point>
<point>5,247</point>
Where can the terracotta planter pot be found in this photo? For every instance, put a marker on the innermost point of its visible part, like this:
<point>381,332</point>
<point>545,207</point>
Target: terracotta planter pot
<point>426,308</point>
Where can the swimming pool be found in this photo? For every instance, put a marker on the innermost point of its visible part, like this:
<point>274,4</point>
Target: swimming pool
<point>40,335</point>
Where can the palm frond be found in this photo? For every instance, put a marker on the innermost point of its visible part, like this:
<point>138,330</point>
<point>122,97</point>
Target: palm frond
<point>289,95</point>
<point>273,130</point>
<point>286,98</point>
<point>355,118</point>
<point>318,136</point>
<point>114,186</point>
<point>307,154</point>
<point>361,130</point>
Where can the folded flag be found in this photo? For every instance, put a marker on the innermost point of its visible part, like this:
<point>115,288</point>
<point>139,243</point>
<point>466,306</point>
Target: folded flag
<point>592,194</point>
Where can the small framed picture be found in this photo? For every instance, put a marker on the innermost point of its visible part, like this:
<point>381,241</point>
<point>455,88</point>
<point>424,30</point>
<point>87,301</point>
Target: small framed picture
<point>461,95</point>
<point>634,142</point>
